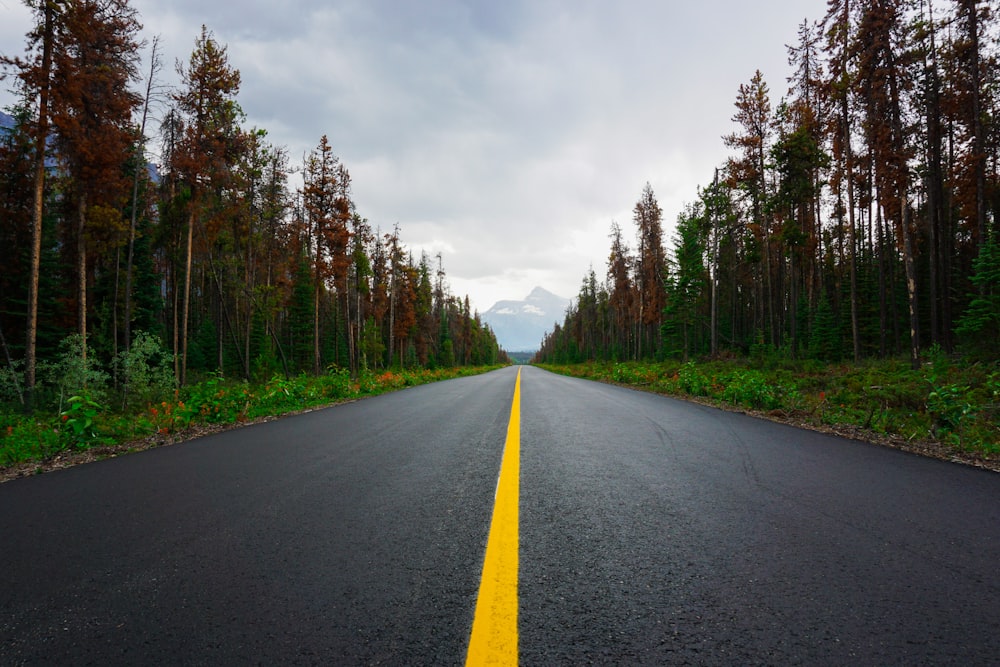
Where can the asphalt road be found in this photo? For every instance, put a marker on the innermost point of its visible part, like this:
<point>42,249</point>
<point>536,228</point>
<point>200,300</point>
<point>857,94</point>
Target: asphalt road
<point>652,531</point>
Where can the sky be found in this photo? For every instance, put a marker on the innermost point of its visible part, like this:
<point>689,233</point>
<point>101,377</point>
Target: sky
<point>505,135</point>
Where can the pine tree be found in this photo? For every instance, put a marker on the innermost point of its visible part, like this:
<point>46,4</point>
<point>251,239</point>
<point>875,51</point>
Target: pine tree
<point>748,173</point>
<point>36,78</point>
<point>93,64</point>
<point>205,147</point>
<point>621,299</point>
<point>650,271</point>
<point>979,326</point>
<point>686,288</point>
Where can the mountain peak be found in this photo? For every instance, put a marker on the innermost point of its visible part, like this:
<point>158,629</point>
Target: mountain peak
<point>542,294</point>
<point>520,326</point>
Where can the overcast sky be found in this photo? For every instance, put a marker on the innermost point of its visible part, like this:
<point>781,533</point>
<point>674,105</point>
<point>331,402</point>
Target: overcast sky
<point>505,134</point>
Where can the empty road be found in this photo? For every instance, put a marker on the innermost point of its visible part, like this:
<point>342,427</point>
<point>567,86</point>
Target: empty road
<point>649,531</point>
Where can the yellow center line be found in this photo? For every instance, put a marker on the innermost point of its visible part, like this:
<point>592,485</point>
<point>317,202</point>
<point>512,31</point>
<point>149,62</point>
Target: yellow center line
<point>494,628</point>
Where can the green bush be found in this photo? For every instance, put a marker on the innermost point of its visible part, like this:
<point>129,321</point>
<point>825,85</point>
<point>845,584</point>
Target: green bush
<point>692,380</point>
<point>145,370</point>
<point>12,383</point>
<point>215,401</point>
<point>79,420</point>
<point>751,389</point>
<point>73,374</point>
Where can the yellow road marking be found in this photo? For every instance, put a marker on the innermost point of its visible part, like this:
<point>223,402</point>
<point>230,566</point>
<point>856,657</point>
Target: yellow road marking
<point>494,628</point>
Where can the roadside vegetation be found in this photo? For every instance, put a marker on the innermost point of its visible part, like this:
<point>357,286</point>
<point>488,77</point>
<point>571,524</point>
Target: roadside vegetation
<point>85,411</point>
<point>946,408</point>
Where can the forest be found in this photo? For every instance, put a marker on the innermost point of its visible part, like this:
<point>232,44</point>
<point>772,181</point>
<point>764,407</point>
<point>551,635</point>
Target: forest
<point>207,264</point>
<point>856,217</point>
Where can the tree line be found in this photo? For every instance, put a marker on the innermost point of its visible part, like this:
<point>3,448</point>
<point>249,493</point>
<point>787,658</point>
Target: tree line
<point>856,217</point>
<point>211,250</point>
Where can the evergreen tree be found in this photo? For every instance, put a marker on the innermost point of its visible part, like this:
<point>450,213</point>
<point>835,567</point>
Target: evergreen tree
<point>684,313</point>
<point>205,149</point>
<point>979,326</point>
<point>651,270</point>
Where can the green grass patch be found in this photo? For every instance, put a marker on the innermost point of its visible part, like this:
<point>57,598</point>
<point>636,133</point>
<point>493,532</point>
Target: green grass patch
<point>950,403</point>
<point>83,422</point>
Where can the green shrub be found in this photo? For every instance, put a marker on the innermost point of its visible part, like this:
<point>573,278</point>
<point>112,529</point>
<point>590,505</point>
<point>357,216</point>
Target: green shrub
<point>73,374</point>
<point>79,420</point>
<point>214,401</point>
<point>751,389</point>
<point>12,382</point>
<point>145,370</point>
<point>692,380</point>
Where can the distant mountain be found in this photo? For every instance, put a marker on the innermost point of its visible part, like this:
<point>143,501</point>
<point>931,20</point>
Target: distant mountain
<point>6,120</point>
<point>520,326</point>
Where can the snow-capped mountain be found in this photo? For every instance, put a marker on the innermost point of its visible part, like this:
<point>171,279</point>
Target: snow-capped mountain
<point>520,326</point>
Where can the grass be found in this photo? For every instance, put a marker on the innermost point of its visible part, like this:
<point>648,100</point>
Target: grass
<point>86,424</point>
<point>954,405</point>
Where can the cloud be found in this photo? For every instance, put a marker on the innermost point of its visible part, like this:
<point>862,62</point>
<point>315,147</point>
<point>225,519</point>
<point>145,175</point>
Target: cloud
<point>505,135</point>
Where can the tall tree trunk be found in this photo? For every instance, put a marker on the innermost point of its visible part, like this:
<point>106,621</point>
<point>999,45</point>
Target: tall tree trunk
<point>185,315</point>
<point>935,188</point>
<point>175,310</point>
<point>220,343</point>
<point>41,138</point>
<point>768,278</point>
<point>904,230</point>
<point>81,268</point>
<point>851,222</point>
<point>978,150</point>
<point>316,294</point>
<point>714,239</point>
<point>140,167</point>
<point>883,285</point>
<point>909,265</point>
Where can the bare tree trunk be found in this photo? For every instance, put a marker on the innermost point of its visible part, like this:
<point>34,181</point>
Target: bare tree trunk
<point>934,184</point>
<point>906,234</point>
<point>139,168</point>
<point>41,137</point>
<point>714,240</point>
<point>185,315</point>
<point>852,227</point>
<point>882,285</point>
<point>316,294</point>
<point>175,309</point>
<point>220,361</point>
<point>979,152</point>
<point>910,267</point>
<point>81,267</point>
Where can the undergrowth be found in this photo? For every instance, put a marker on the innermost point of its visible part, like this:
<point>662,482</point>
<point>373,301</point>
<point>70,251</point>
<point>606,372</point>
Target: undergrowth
<point>88,418</point>
<point>952,403</point>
